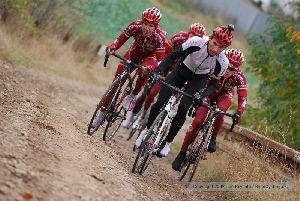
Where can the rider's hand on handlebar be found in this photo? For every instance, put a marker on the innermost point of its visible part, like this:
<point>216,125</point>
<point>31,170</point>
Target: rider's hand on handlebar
<point>147,69</point>
<point>198,97</point>
<point>237,117</point>
<point>154,76</point>
<point>110,49</point>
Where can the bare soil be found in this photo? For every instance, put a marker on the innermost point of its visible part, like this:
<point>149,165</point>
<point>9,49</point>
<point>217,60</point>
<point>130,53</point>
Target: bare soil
<point>45,153</point>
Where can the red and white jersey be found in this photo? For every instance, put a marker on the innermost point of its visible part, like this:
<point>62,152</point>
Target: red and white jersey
<point>153,44</point>
<point>176,40</point>
<point>226,87</point>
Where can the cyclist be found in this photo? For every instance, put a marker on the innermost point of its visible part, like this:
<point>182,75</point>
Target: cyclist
<point>196,29</point>
<point>223,95</point>
<point>147,49</point>
<point>198,56</point>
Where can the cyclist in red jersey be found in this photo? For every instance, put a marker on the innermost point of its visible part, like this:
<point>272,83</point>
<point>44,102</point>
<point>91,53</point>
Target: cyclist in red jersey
<point>196,29</point>
<point>198,58</point>
<point>147,49</point>
<point>223,95</point>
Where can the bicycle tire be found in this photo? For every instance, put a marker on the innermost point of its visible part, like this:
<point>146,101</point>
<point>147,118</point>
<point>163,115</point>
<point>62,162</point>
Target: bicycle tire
<point>191,152</point>
<point>131,133</point>
<point>142,149</point>
<point>142,127</point>
<point>112,87</point>
<point>153,131</point>
<point>114,123</point>
<point>185,167</point>
<point>116,116</point>
<point>202,148</point>
<point>148,145</point>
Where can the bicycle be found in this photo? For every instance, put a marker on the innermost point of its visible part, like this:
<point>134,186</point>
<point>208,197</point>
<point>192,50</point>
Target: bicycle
<point>114,113</point>
<point>197,150</point>
<point>158,130</point>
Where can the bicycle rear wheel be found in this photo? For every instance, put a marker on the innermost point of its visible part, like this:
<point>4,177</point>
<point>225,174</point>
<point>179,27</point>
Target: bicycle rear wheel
<point>114,122</point>
<point>116,116</point>
<point>113,87</point>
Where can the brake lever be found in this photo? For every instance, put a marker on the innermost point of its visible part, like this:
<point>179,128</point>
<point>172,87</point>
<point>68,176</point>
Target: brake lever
<point>234,122</point>
<point>150,86</point>
<point>106,59</point>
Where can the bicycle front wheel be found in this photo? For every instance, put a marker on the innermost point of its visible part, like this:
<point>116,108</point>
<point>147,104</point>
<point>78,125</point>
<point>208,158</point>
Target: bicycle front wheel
<point>200,150</point>
<point>114,122</point>
<point>143,154</point>
<point>185,166</point>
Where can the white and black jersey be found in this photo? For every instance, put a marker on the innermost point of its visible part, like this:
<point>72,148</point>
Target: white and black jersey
<point>194,55</point>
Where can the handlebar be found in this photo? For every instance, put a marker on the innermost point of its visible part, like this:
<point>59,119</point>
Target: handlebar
<point>218,111</point>
<point>123,59</point>
<point>129,62</point>
<point>160,79</point>
<point>106,59</point>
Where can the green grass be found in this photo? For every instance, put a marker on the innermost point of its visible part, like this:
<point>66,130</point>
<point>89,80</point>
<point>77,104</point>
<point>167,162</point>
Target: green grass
<point>108,20</point>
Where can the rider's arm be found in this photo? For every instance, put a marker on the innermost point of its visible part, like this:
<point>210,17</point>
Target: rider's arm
<point>125,35</point>
<point>160,45</point>
<point>178,52</point>
<point>120,40</point>
<point>242,94</point>
<point>214,80</point>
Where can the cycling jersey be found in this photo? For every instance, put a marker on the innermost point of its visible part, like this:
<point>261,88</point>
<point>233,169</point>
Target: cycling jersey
<point>153,44</point>
<point>194,56</point>
<point>226,87</point>
<point>175,41</point>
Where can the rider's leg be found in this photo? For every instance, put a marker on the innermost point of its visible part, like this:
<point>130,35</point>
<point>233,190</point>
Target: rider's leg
<point>193,85</point>
<point>223,103</point>
<point>189,136</point>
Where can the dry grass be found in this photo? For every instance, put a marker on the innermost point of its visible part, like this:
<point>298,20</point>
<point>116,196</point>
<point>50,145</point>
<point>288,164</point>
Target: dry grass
<point>53,56</point>
<point>258,164</point>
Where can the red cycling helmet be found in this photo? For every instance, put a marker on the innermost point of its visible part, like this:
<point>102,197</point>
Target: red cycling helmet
<point>235,57</point>
<point>223,35</point>
<point>197,29</point>
<point>152,15</point>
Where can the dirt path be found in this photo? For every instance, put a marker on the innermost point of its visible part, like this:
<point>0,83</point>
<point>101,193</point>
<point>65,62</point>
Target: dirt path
<point>46,154</point>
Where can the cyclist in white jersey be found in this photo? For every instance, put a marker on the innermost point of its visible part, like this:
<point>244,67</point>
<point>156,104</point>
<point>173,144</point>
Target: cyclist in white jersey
<point>198,57</point>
